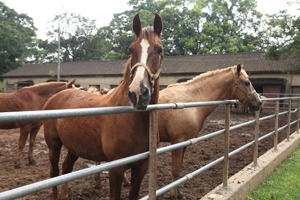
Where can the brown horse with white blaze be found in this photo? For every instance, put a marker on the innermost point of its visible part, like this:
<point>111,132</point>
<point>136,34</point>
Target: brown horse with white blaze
<point>103,137</point>
<point>180,125</point>
<point>27,99</point>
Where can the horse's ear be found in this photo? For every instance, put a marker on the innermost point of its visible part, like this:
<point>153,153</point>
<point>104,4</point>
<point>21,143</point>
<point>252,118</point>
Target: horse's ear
<point>136,25</point>
<point>70,84</point>
<point>239,68</point>
<point>157,24</point>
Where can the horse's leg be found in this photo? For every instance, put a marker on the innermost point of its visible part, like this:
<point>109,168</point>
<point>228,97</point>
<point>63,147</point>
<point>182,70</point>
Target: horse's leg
<point>97,179</point>
<point>33,133</point>
<point>177,159</point>
<point>22,141</point>
<point>54,153</point>
<point>115,182</point>
<point>67,168</point>
<point>126,182</point>
<point>137,174</point>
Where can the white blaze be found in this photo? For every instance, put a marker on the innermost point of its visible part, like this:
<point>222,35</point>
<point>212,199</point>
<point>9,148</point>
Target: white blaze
<point>141,70</point>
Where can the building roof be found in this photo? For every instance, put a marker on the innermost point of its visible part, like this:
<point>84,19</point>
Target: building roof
<point>172,65</point>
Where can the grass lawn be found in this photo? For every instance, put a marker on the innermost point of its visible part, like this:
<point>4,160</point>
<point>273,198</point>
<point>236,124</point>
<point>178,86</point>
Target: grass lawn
<point>283,183</point>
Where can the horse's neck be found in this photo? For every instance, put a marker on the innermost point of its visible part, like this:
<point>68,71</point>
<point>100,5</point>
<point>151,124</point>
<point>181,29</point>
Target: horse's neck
<point>212,87</point>
<point>119,97</point>
<point>47,91</point>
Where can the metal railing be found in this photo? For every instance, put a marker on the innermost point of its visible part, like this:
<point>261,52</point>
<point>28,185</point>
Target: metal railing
<point>152,109</point>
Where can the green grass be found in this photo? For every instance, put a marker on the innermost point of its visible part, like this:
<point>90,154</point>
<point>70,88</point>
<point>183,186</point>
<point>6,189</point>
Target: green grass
<point>283,183</point>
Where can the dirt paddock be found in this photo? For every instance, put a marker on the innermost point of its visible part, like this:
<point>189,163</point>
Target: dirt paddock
<point>196,156</point>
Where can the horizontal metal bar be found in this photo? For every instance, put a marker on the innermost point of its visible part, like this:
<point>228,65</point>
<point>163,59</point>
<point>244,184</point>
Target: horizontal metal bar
<point>66,113</point>
<point>266,135</point>
<point>18,116</point>
<point>6,117</point>
<point>204,168</point>
<point>283,113</point>
<point>38,186</point>
<point>266,117</point>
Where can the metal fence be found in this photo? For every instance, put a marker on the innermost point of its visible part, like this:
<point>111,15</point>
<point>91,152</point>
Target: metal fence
<point>153,152</point>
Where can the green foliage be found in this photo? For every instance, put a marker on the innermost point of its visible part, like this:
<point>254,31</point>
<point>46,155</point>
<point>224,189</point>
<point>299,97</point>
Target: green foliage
<point>283,183</point>
<point>284,31</point>
<point>77,39</point>
<point>52,74</point>
<point>192,26</point>
<point>17,33</point>
<point>1,84</point>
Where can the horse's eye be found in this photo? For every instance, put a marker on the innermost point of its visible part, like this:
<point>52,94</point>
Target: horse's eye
<point>130,49</point>
<point>247,83</point>
<point>158,50</point>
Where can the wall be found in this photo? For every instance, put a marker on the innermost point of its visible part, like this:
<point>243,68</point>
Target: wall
<point>106,82</point>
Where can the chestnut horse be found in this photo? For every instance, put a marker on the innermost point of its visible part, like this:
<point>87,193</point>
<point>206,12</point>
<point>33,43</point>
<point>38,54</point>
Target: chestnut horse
<point>111,137</point>
<point>180,125</point>
<point>26,99</point>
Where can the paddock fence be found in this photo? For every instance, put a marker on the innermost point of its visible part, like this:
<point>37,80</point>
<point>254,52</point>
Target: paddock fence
<point>153,151</point>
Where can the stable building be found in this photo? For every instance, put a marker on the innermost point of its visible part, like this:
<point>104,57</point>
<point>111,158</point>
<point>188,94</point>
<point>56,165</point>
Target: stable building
<point>266,76</point>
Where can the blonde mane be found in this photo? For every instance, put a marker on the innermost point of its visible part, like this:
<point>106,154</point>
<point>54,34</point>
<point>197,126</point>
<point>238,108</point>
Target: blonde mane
<point>207,74</point>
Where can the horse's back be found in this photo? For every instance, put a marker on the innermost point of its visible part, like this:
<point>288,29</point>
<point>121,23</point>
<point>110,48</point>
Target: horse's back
<point>84,131</point>
<point>71,98</point>
<point>9,103</point>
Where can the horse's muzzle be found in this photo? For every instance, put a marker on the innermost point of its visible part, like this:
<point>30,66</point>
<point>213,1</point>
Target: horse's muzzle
<point>140,101</point>
<point>255,106</point>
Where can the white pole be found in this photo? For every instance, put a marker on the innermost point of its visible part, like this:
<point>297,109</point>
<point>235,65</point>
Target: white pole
<point>58,67</point>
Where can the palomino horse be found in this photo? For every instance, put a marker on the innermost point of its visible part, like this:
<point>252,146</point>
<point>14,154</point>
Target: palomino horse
<point>180,125</point>
<point>26,99</point>
<point>103,137</point>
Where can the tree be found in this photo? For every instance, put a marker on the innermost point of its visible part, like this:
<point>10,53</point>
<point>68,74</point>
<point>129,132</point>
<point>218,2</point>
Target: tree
<point>77,38</point>
<point>283,38</point>
<point>193,26</point>
<point>17,33</point>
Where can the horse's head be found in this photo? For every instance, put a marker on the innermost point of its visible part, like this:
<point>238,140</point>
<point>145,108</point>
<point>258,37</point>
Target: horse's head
<point>146,56</point>
<point>243,89</point>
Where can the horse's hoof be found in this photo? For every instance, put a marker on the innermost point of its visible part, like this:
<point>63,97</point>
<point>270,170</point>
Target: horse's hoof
<point>127,184</point>
<point>18,166</point>
<point>98,187</point>
<point>32,161</point>
<point>181,197</point>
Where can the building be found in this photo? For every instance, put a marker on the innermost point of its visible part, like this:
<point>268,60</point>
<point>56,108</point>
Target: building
<point>266,76</point>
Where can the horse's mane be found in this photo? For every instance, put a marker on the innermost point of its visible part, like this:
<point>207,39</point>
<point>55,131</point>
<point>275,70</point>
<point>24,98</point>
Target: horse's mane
<point>43,84</point>
<point>205,75</point>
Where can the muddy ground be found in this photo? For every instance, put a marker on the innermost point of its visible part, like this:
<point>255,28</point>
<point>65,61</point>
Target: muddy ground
<point>196,156</point>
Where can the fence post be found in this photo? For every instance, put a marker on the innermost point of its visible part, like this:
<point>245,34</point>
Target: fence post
<point>289,121</point>
<point>255,152</point>
<point>152,153</point>
<point>276,125</point>
<point>298,116</point>
<point>226,146</point>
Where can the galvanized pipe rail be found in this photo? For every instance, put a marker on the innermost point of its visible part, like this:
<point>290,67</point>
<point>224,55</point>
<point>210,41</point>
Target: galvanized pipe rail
<point>68,113</point>
<point>215,162</point>
<point>52,114</point>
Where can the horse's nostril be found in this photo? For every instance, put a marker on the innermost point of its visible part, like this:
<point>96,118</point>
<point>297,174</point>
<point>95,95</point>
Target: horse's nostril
<point>145,92</point>
<point>132,97</point>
